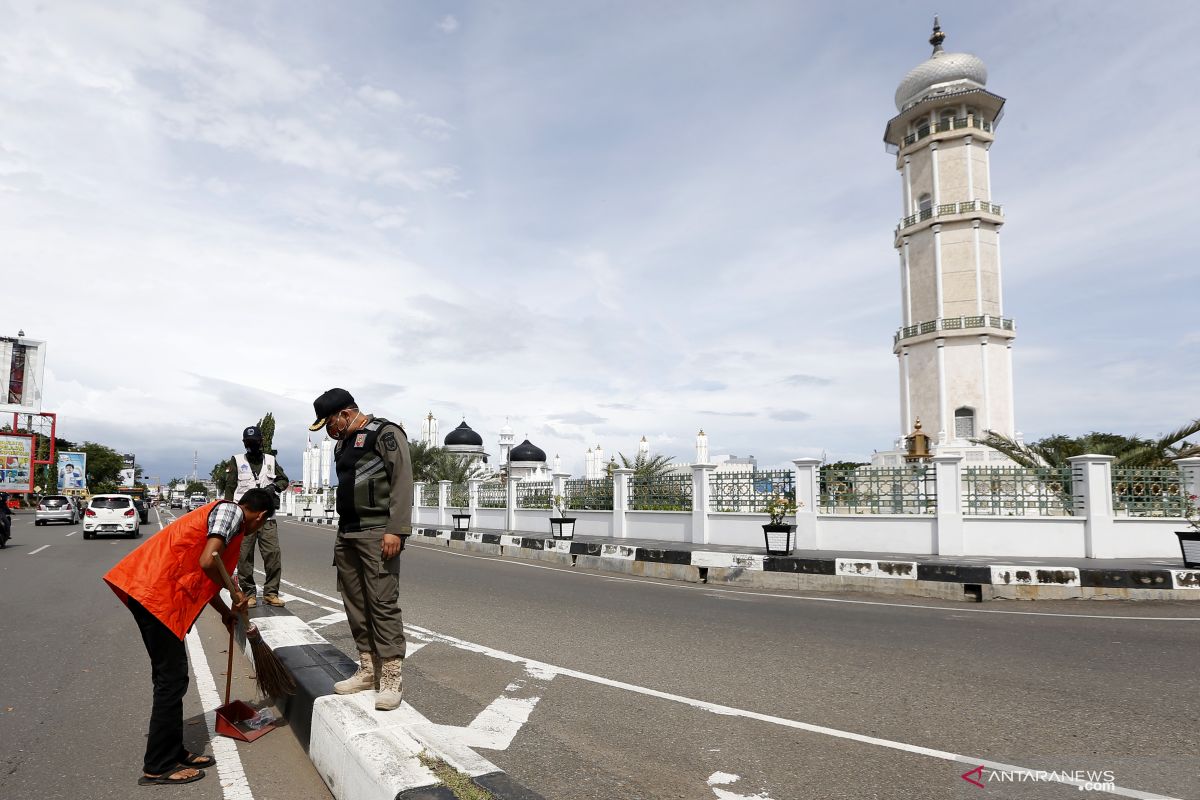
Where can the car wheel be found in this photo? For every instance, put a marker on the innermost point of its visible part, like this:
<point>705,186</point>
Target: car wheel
<point>37,523</point>
<point>88,534</point>
<point>137,532</point>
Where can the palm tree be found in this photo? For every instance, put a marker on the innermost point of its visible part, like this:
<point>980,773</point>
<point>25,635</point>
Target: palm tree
<point>647,467</point>
<point>423,457</point>
<point>1128,451</point>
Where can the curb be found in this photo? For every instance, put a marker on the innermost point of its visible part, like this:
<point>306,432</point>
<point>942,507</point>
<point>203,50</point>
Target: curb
<point>361,753</point>
<point>946,581</point>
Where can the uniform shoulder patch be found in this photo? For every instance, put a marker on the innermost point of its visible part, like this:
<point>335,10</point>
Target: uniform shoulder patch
<point>389,440</point>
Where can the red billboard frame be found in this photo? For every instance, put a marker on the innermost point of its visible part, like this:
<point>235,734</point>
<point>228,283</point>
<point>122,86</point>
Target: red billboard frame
<point>49,418</point>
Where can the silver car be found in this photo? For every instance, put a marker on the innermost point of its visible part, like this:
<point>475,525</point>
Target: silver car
<point>56,508</point>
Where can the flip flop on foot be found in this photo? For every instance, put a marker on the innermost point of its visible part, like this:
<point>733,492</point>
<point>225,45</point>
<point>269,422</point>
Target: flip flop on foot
<point>185,775</point>
<point>200,762</point>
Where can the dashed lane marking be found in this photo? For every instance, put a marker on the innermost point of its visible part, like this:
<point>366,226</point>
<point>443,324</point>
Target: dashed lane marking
<point>35,552</point>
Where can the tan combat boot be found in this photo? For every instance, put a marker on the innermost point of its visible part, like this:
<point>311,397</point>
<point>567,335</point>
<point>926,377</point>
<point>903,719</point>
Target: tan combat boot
<point>365,678</point>
<point>391,686</point>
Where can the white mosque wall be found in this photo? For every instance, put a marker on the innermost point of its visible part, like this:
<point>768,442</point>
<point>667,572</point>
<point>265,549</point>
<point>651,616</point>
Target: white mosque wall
<point>489,519</point>
<point>877,533</point>
<point>668,526</point>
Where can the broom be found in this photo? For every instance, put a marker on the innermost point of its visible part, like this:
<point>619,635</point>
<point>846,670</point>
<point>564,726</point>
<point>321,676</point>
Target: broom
<point>272,679</point>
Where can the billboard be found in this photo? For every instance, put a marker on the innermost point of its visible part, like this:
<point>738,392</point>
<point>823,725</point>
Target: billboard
<point>129,471</point>
<point>22,367</point>
<point>16,463</point>
<point>72,471</point>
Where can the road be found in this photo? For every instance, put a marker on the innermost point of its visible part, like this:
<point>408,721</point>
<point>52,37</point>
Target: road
<point>637,688</point>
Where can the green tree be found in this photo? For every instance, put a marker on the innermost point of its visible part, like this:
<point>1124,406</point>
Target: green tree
<point>196,487</point>
<point>646,466</point>
<point>423,458</point>
<point>1127,451</point>
<point>267,425</point>
<point>104,467</point>
<point>220,476</point>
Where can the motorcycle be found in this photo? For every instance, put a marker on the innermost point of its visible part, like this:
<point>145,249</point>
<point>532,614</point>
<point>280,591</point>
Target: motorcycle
<point>5,527</point>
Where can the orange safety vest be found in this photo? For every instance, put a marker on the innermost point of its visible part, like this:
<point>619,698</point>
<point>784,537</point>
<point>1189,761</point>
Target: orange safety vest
<point>164,575</point>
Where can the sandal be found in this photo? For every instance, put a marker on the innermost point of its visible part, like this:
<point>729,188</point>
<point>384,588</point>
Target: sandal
<point>198,762</point>
<point>169,778</point>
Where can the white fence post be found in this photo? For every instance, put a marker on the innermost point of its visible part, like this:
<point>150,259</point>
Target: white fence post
<point>558,486</point>
<point>510,504</point>
<point>1190,467</point>
<point>808,499</point>
<point>949,537</point>
<point>473,497</point>
<point>418,496</point>
<point>700,502</point>
<point>443,501</point>
<point>1091,483</point>
<point>620,500</point>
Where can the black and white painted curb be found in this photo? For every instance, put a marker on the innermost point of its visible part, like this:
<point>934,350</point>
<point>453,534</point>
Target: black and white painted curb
<point>361,753</point>
<point>971,581</point>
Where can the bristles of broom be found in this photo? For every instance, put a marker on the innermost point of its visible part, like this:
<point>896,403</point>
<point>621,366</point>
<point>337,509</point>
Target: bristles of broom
<point>269,674</point>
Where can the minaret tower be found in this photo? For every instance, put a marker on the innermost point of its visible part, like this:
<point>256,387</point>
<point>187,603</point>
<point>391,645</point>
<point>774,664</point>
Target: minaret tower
<point>954,345</point>
<point>507,440</point>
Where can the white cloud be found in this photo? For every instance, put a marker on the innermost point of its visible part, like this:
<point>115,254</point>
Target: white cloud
<point>447,24</point>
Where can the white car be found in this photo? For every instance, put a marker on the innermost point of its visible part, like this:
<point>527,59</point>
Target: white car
<point>197,501</point>
<point>111,513</point>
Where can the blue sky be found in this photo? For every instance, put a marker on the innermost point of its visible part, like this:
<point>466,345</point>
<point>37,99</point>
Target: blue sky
<point>602,220</point>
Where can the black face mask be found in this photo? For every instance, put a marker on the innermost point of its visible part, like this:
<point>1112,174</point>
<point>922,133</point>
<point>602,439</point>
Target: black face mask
<point>252,446</point>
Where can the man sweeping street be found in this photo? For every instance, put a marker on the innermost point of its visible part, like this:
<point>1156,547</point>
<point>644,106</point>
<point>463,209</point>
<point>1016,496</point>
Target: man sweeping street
<point>256,469</point>
<point>374,505</point>
<point>165,583</point>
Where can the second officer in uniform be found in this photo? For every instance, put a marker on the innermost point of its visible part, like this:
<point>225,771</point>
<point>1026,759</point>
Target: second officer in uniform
<point>256,469</point>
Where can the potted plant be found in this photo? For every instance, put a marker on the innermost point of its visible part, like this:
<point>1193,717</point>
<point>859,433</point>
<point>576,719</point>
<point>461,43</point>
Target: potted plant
<point>780,536</point>
<point>1189,540</point>
<point>561,527</point>
<point>461,521</point>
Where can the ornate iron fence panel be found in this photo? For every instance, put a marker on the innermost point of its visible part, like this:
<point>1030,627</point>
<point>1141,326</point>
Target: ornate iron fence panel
<point>429,495</point>
<point>748,492</point>
<point>460,496</point>
<point>1018,491</point>
<point>1149,492</point>
<point>661,493</point>
<point>585,495</point>
<point>879,490</point>
<point>534,494</point>
<point>492,495</point>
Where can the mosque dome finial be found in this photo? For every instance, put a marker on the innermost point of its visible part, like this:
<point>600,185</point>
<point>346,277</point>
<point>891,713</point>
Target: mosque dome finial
<point>941,70</point>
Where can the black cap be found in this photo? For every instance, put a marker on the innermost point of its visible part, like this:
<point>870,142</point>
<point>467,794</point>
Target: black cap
<point>328,404</point>
<point>252,433</point>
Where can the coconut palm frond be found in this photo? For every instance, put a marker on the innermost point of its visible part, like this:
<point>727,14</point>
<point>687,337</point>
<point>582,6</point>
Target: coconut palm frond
<point>1018,452</point>
<point>1176,437</point>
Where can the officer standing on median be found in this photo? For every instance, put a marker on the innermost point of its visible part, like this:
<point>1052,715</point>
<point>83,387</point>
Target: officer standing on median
<point>255,469</point>
<point>374,505</point>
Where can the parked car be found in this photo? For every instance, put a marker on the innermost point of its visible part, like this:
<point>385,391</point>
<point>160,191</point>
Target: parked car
<point>56,508</point>
<point>111,513</point>
<point>142,509</point>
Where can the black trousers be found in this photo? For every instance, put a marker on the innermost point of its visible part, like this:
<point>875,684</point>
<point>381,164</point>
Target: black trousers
<point>169,668</point>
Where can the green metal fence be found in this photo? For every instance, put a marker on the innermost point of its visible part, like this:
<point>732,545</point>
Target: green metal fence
<point>492,495</point>
<point>585,495</point>
<point>748,492</point>
<point>460,496</point>
<point>534,494</point>
<point>429,495</point>
<point>661,493</point>
<point>878,490</point>
<point>1018,491</point>
<point>1149,492</point>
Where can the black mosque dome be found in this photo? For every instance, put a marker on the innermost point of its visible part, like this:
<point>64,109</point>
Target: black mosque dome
<point>526,451</point>
<point>464,436</point>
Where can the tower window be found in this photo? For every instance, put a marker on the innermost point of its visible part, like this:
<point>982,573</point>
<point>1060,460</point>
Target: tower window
<point>925,206</point>
<point>964,423</point>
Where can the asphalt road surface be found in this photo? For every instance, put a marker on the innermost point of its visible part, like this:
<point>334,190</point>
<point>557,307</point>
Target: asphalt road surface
<point>590,685</point>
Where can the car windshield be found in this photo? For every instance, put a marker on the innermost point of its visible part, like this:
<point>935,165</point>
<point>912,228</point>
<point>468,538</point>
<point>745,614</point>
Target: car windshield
<point>110,502</point>
<point>54,502</point>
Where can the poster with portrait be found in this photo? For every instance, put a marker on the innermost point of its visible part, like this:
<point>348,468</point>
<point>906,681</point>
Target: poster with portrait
<point>16,462</point>
<point>72,471</point>
<point>129,471</point>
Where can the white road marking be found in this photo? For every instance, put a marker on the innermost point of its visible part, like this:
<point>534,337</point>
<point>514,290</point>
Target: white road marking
<point>724,778</point>
<point>234,783</point>
<point>35,552</point>
<point>729,711</point>
<point>72,533</point>
<point>710,588</point>
<point>328,619</point>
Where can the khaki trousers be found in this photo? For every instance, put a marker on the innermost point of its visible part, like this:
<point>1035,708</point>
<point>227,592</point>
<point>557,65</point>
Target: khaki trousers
<point>370,588</point>
<point>268,543</point>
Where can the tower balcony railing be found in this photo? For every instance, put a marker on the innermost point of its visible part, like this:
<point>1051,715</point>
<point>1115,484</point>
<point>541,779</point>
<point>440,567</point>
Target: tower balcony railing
<point>953,324</point>
<point>950,209</point>
<point>941,126</point>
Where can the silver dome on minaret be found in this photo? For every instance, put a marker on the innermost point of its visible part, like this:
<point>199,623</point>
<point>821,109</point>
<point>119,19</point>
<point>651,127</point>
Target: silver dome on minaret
<point>943,71</point>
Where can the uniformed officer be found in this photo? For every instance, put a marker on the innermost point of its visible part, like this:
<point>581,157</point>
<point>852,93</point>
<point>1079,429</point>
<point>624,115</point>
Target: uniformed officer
<point>374,505</point>
<point>255,469</point>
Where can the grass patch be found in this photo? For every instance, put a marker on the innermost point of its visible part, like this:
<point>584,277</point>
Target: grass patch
<point>462,785</point>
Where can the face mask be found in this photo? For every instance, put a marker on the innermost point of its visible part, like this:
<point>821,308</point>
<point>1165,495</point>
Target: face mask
<point>252,446</point>
<point>342,433</point>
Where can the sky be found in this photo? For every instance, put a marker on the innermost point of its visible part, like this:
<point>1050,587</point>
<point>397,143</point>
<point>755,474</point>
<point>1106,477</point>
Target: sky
<point>600,220</point>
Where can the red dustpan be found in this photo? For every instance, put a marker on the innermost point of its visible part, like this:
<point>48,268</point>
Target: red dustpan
<point>237,720</point>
